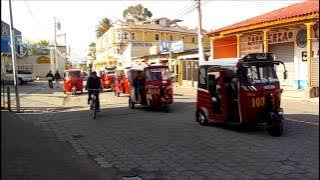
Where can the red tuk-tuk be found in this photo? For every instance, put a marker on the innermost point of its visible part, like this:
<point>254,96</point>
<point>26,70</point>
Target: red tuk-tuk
<point>107,77</point>
<point>121,82</point>
<point>72,82</point>
<point>151,86</point>
<point>242,91</point>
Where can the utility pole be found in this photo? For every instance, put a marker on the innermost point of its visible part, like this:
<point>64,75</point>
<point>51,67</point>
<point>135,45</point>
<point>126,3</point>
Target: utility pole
<point>55,44</point>
<point>13,56</point>
<point>200,47</point>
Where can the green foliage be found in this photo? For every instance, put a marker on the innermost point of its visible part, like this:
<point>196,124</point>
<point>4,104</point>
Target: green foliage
<point>43,44</point>
<point>137,13</point>
<point>103,27</point>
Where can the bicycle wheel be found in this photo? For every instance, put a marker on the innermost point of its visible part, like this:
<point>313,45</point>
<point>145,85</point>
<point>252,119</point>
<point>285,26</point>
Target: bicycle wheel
<point>94,109</point>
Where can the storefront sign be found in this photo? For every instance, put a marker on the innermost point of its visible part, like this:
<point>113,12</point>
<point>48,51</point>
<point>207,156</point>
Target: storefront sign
<point>141,44</point>
<point>43,60</point>
<point>273,38</point>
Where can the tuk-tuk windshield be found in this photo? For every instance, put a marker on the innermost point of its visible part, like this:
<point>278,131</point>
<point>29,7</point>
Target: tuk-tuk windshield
<point>261,74</point>
<point>158,74</point>
<point>72,74</point>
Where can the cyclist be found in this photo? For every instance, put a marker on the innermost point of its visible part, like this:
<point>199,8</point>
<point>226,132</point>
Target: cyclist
<point>94,82</point>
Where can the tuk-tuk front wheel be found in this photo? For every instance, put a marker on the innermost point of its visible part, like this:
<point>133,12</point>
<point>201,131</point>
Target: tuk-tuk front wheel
<point>166,108</point>
<point>201,117</point>
<point>131,104</point>
<point>276,129</point>
<point>275,126</point>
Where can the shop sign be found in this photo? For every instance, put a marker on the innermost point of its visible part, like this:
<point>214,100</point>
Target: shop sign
<point>141,44</point>
<point>43,60</point>
<point>273,38</point>
<point>280,37</point>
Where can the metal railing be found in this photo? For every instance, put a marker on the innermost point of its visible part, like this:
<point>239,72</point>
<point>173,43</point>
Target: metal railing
<point>6,98</point>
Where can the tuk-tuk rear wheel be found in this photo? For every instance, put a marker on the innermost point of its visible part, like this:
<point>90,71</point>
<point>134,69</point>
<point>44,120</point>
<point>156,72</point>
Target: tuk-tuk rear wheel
<point>131,104</point>
<point>201,117</point>
<point>166,108</point>
<point>276,129</point>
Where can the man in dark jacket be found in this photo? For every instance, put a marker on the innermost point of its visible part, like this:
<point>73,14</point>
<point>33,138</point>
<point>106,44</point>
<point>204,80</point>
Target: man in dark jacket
<point>57,76</point>
<point>94,86</point>
<point>50,78</point>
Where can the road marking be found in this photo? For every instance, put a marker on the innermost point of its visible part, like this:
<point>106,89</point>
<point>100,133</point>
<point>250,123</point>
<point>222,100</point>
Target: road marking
<point>294,120</point>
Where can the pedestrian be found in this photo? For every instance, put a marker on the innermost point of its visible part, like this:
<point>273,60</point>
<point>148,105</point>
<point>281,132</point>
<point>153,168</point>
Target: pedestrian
<point>57,76</point>
<point>50,78</point>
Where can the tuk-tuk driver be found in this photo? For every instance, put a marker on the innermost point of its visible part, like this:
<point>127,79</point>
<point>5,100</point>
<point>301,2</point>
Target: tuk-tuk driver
<point>94,82</point>
<point>138,84</point>
<point>212,85</point>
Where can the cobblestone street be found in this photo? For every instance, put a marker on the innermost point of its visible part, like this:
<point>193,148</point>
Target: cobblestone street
<point>157,145</point>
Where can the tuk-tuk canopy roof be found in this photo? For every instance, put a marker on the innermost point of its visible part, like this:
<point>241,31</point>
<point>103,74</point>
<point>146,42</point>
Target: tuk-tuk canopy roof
<point>156,65</point>
<point>137,68</point>
<point>221,62</point>
<point>71,70</point>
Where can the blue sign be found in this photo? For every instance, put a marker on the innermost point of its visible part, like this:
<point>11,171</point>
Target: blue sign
<point>5,39</point>
<point>164,46</point>
<point>177,46</point>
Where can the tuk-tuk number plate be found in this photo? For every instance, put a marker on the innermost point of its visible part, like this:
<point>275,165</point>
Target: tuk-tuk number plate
<point>257,102</point>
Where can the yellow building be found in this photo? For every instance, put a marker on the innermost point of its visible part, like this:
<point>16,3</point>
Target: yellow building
<point>145,37</point>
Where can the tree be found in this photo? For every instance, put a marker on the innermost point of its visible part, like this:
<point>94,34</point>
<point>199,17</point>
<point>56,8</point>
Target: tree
<point>137,13</point>
<point>43,43</point>
<point>103,27</point>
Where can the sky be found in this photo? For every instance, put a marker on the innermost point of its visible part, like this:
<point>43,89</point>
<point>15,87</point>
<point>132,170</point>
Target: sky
<point>35,19</point>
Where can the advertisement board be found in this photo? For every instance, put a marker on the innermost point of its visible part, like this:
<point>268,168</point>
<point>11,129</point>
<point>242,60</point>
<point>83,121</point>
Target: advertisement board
<point>177,46</point>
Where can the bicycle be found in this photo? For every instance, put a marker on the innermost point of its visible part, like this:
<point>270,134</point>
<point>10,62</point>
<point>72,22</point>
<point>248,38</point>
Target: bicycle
<point>94,103</point>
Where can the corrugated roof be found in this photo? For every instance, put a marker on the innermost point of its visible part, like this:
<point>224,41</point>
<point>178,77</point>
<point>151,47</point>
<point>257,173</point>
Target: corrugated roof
<point>295,10</point>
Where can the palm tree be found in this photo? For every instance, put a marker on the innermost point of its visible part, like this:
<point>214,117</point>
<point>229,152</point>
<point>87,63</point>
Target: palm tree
<point>103,27</point>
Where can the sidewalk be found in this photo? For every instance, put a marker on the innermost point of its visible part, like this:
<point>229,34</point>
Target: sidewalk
<point>27,152</point>
<point>298,95</point>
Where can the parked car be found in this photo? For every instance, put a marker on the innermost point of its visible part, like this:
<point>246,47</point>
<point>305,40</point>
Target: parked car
<point>23,77</point>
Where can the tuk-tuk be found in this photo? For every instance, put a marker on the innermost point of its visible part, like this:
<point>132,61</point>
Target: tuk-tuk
<point>150,86</point>
<point>107,77</point>
<point>242,91</point>
<point>121,82</point>
<point>72,82</point>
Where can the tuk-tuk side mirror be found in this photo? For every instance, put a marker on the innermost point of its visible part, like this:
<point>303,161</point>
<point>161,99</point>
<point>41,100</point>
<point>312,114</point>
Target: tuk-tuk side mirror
<point>285,74</point>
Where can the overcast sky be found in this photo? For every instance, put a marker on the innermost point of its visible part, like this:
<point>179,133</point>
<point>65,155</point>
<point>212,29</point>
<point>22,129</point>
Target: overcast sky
<point>79,18</point>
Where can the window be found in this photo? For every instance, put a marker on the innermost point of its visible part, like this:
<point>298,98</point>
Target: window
<point>133,36</point>
<point>171,38</point>
<point>182,38</point>
<point>158,74</point>
<point>193,40</point>
<point>125,35</point>
<point>261,74</point>
<point>156,37</point>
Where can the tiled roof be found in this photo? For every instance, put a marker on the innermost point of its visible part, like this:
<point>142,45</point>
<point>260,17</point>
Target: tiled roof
<point>295,10</point>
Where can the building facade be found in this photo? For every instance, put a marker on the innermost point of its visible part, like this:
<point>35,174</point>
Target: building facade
<point>291,33</point>
<point>145,38</point>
